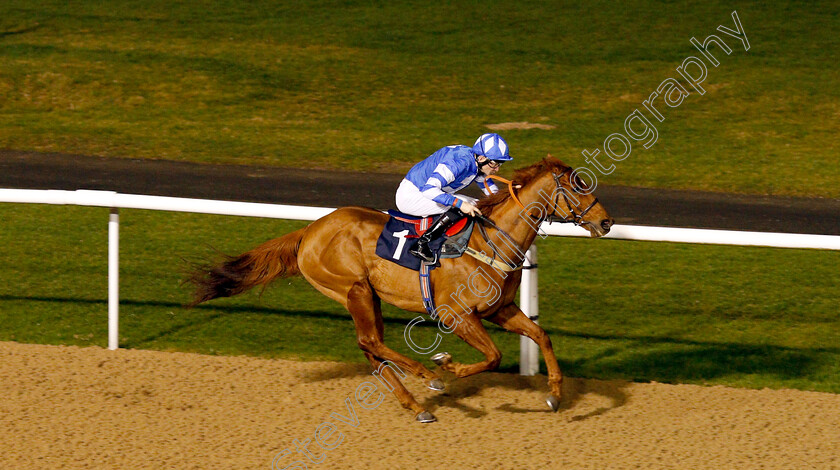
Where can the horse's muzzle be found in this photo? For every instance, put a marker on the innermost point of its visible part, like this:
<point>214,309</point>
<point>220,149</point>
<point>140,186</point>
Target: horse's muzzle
<point>599,229</point>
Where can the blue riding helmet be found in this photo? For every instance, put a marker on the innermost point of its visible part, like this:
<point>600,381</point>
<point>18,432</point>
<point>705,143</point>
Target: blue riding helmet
<point>492,146</point>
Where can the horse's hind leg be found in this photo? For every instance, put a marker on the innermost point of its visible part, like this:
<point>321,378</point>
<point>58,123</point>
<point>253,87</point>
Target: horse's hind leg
<point>366,310</point>
<point>512,319</point>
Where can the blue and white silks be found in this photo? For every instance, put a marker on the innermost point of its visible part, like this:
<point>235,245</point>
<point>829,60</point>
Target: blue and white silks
<point>429,187</point>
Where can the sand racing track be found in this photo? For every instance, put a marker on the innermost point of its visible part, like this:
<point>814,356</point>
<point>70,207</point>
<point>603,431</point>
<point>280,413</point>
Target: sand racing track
<point>69,407</point>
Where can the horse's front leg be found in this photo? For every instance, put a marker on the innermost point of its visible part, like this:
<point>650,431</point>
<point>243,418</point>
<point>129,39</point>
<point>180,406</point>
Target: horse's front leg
<point>511,318</point>
<point>470,329</point>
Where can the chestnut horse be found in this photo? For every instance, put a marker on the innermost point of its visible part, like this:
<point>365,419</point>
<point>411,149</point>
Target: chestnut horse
<point>336,255</point>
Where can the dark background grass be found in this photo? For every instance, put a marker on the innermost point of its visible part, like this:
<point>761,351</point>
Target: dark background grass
<point>377,86</point>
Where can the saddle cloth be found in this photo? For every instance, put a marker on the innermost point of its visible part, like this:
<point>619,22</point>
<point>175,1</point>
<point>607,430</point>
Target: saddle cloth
<point>401,232</point>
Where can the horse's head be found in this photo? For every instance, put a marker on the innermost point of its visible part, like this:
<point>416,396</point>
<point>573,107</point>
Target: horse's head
<point>573,201</point>
<point>560,195</point>
<point>552,191</point>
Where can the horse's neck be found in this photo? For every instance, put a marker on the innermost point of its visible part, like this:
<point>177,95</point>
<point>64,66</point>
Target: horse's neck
<point>517,222</point>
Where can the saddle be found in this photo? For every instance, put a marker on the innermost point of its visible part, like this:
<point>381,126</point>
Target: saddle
<point>402,231</point>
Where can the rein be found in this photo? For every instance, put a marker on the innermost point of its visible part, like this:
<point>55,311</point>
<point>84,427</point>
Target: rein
<point>510,188</point>
<point>492,261</point>
<point>573,217</point>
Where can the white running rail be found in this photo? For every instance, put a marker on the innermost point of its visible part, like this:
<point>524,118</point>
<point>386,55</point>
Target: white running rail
<point>529,355</point>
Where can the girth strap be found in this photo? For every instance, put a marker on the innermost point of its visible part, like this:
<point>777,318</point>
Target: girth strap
<point>426,289</point>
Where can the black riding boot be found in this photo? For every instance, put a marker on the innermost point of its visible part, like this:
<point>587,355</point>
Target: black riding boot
<point>448,219</point>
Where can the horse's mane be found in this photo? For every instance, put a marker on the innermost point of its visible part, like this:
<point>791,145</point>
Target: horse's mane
<point>522,176</point>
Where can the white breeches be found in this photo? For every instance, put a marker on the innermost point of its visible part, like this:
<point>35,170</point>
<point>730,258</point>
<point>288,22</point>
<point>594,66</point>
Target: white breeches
<point>411,201</point>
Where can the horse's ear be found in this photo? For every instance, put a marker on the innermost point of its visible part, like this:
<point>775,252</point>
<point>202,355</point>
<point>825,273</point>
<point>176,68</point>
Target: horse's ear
<point>549,158</point>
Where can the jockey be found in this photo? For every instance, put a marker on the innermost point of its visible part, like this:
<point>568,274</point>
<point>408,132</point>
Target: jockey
<point>429,187</point>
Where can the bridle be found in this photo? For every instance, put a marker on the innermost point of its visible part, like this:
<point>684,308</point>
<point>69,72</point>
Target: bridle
<point>573,217</point>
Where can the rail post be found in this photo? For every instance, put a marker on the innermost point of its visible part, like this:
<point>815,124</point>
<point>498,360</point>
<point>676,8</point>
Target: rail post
<point>114,279</point>
<point>529,351</point>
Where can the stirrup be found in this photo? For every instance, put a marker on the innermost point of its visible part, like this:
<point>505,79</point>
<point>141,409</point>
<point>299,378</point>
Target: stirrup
<point>431,258</point>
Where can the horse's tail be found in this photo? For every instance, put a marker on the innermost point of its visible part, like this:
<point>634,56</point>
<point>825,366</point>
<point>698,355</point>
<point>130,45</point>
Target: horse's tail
<point>273,259</point>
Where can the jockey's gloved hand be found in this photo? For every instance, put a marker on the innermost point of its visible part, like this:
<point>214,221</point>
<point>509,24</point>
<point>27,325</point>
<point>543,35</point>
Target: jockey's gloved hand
<point>469,209</point>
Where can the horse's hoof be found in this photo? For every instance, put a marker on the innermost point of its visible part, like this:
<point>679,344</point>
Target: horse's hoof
<point>425,417</point>
<point>441,358</point>
<point>436,385</point>
<point>553,402</point>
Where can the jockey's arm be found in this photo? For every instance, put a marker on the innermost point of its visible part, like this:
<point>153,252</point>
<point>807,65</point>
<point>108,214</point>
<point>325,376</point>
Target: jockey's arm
<point>441,177</point>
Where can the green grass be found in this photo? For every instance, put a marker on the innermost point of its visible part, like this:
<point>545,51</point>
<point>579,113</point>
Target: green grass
<point>377,86</point>
<point>751,317</point>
